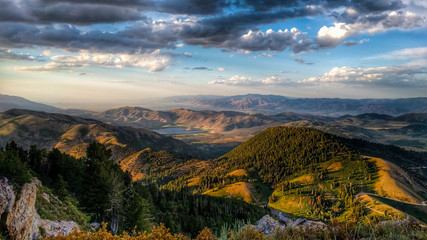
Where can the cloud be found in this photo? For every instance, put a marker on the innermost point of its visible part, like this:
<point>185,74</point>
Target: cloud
<point>202,68</point>
<point>271,40</point>
<point>353,43</point>
<point>21,35</point>
<point>86,12</point>
<point>154,62</point>
<point>221,69</point>
<point>7,54</point>
<point>78,12</point>
<point>300,61</point>
<point>248,81</point>
<point>52,67</point>
<point>391,76</point>
<point>228,25</point>
<point>406,53</point>
<point>270,55</point>
<point>329,37</point>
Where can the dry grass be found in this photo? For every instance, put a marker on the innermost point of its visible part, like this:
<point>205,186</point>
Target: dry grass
<point>390,186</point>
<point>238,173</point>
<point>304,179</point>
<point>132,165</point>
<point>193,182</point>
<point>239,190</point>
<point>336,166</point>
<point>378,207</point>
<point>75,140</point>
<point>295,205</point>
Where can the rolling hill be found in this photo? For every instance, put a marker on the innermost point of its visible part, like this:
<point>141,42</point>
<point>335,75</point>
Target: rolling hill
<point>73,134</point>
<point>312,174</point>
<point>211,121</point>
<point>219,131</point>
<point>407,130</point>
<point>302,171</point>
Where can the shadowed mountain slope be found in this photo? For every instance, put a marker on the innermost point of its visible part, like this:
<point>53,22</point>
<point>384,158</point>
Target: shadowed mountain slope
<point>72,134</point>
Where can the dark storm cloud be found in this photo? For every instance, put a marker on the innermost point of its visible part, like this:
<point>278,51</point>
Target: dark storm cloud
<point>21,35</point>
<point>39,11</point>
<point>85,12</point>
<point>225,30</point>
<point>232,25</point>
<point>360,5</point>
<point>200,7</point>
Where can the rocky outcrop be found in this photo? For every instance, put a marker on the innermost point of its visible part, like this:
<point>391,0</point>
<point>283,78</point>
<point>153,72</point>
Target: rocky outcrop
<point>268,225</point>
<point>54,228</point>
<point>22,219</point>
<point>7,197</point>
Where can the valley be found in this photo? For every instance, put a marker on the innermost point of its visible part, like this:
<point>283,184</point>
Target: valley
<point>184,167</point>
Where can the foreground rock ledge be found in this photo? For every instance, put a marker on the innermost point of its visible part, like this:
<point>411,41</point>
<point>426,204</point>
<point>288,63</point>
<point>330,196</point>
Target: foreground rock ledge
<point>22,219</point>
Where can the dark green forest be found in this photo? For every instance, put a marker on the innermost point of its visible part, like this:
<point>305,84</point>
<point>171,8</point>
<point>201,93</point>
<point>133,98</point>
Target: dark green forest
<point>105,193</point>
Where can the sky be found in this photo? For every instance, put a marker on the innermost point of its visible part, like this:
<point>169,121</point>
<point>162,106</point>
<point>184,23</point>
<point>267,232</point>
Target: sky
<point>80,53</point>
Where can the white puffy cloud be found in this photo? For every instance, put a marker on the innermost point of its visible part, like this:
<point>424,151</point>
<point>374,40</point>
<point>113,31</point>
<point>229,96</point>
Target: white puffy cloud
<point>328,37</point>
<point>393,76</point>
<point>237,80</point>
<point>257,40</point>
<point>154,62</point>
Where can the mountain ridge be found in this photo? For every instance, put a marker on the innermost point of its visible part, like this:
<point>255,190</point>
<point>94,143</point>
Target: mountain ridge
<point>273,104</point>
<point>72,134</point>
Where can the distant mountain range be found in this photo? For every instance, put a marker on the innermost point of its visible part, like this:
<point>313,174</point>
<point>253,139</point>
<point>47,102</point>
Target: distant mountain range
<point>255,103</point>
<point>219,131</point>
<point>407,130</point>
<point>9,102</point>
<point>273,104</point>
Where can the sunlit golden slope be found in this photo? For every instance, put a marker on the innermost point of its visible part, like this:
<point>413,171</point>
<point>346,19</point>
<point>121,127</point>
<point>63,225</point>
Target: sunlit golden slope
<point>395,183</point>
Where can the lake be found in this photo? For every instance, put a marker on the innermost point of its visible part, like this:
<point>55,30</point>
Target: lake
<point>175,130</point>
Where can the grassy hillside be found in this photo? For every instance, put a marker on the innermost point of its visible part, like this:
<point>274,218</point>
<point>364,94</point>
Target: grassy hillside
<point>310,174</point>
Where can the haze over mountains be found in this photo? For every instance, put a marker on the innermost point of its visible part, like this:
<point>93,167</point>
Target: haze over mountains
<point>256,103</point>
<point>273,104</point>
<point>220,131</point>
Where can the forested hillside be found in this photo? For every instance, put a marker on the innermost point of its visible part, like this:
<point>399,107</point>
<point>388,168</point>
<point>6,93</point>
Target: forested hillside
<point>101,190</point>
<point>312,174</point>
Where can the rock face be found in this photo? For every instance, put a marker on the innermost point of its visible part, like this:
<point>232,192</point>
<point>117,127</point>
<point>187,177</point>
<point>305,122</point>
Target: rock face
<point>54,228</point>
<point>267,224</point>
<point>22,219</point>
<point>7,197</point>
